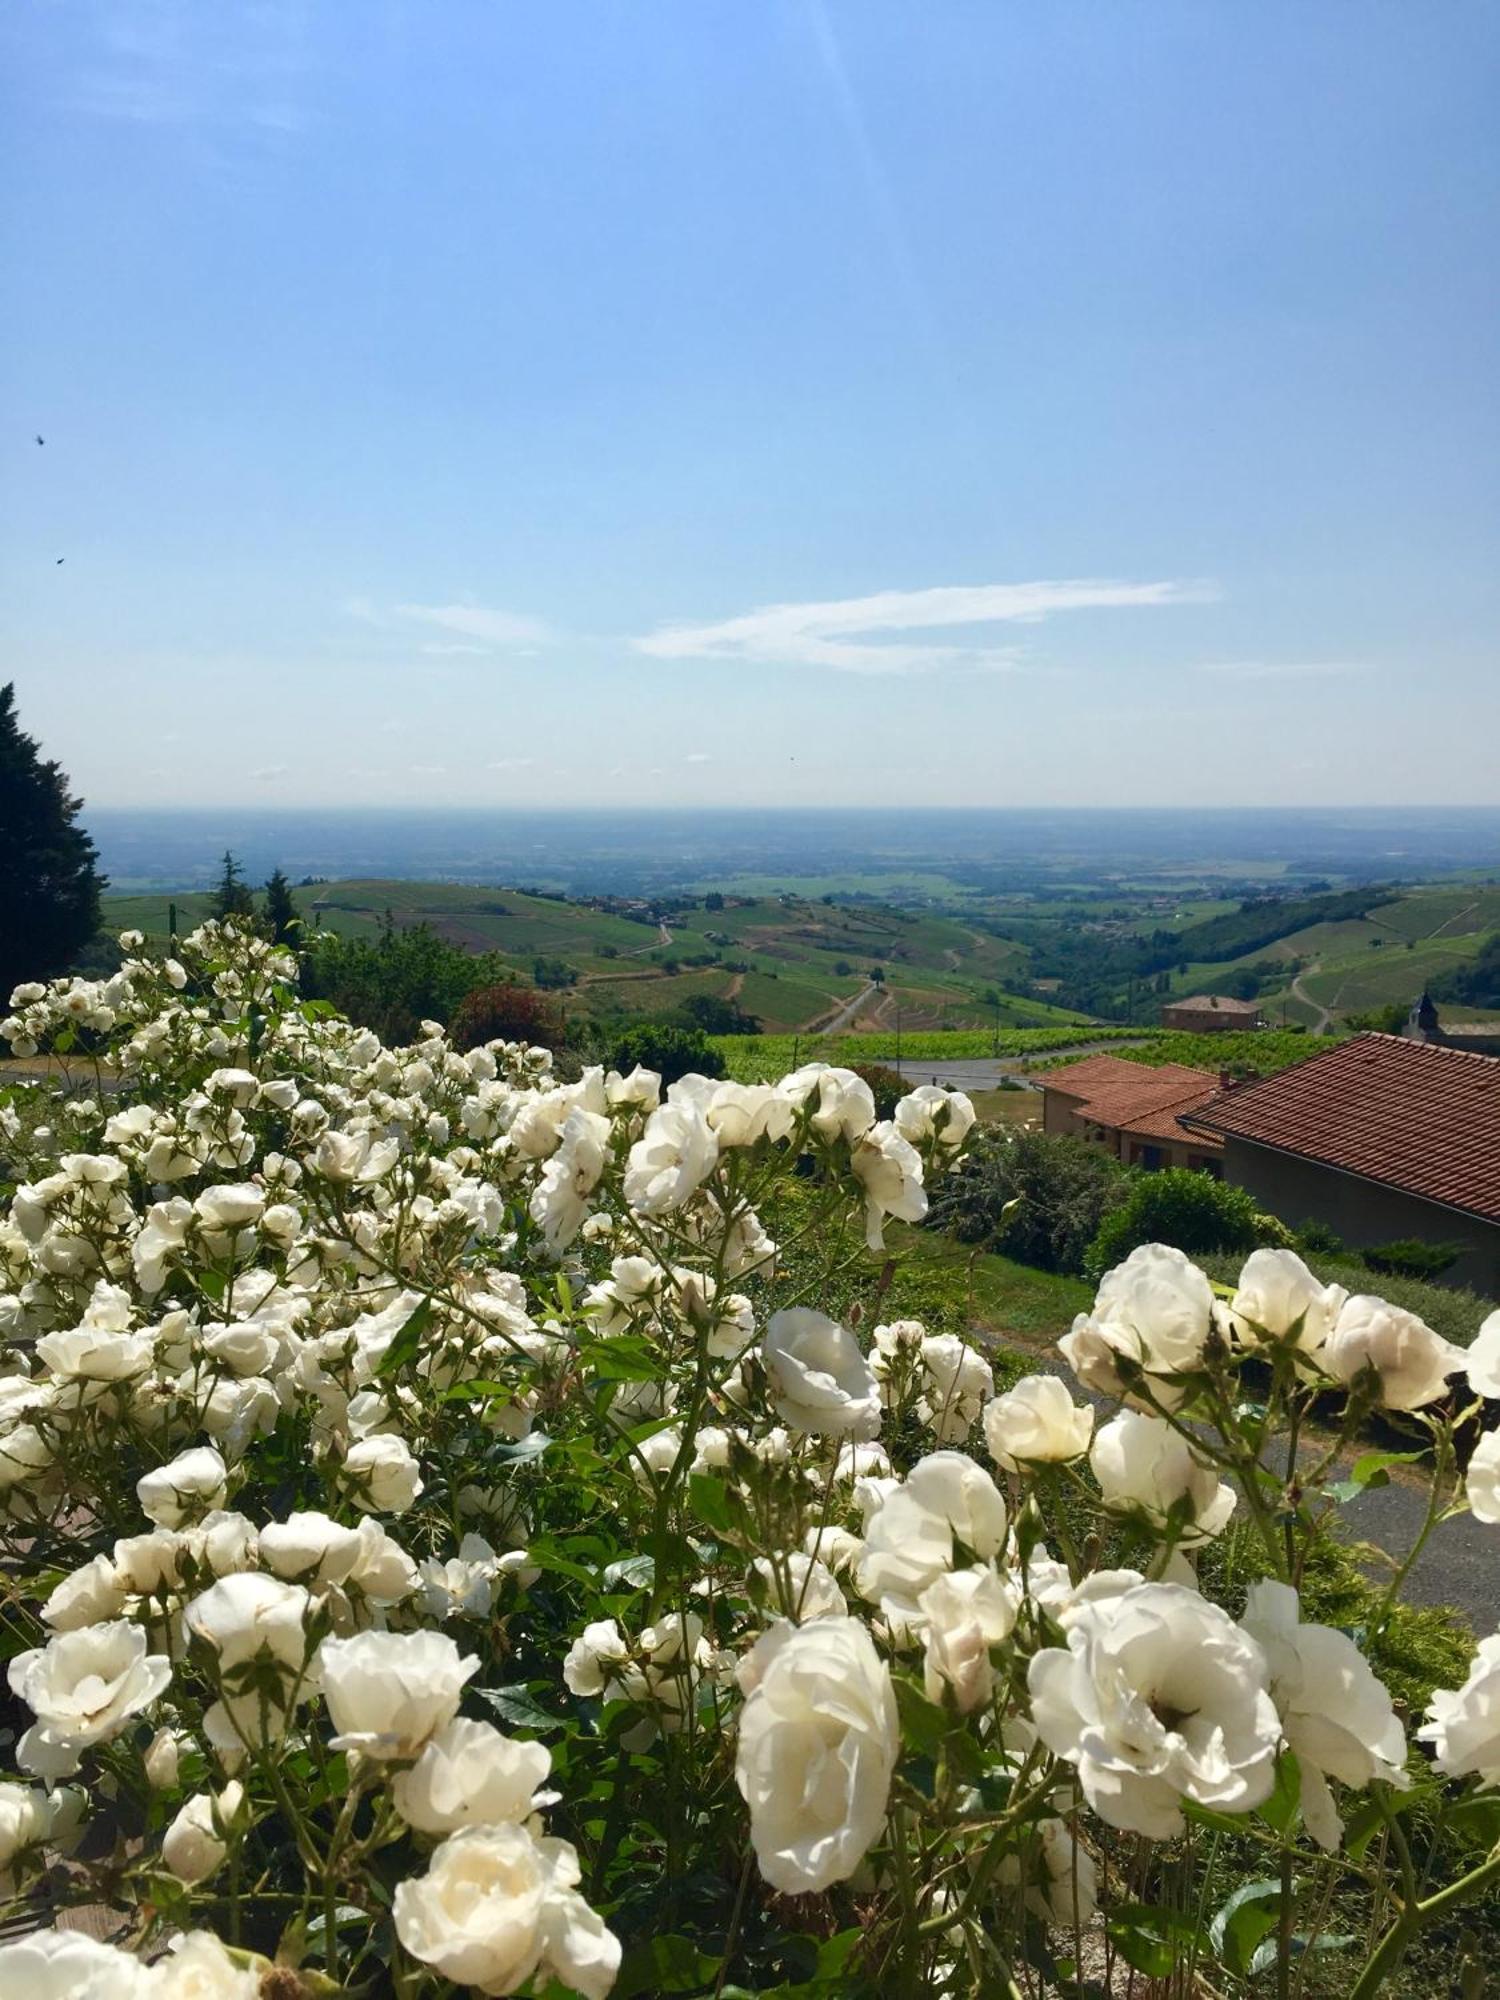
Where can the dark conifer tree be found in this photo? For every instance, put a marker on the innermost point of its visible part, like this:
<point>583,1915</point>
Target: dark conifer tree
<point>281,912</point>
<point>49,875</point>
<point>232,897</point>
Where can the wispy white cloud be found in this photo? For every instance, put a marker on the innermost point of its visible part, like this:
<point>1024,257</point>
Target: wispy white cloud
<point>427,770</point>
<point>1277,670</point>
<point>697,757</point>
<point>512,764</point>
<point>268,772</point>
<point>478,629</point>
<point>846,634</point>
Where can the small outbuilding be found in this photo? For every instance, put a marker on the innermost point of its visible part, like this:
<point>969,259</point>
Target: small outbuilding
<point>1211,1014</point>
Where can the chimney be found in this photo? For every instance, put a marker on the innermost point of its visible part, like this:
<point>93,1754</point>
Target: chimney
<point>1227,1079</point>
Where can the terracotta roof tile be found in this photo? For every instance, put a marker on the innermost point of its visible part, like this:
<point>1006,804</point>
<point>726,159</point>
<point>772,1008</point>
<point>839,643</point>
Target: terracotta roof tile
<point>1410,1115</point>
<point>1134,1097</point>
<point>1212,1003</point>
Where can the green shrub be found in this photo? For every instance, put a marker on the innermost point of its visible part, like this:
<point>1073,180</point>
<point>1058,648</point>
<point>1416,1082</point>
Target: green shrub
<point>1189,1210</point>
<point>887,1086</point>
<point>1409,1257</point>
<point>673,1052</point>
<point>1316,1239</point>
<point>1062,1189</point>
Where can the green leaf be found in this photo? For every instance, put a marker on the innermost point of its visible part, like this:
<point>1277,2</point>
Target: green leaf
<point>518,1706</point>
<point>1242,1921</point>
<point>709,1499</point>
<point>1281,1808</point>
<point>403,1349</point>
<point>668,1964</point>
<point>547,1553</point>
<point>1150,1938</point>
<point>518,1451</point>
<point>1371,1469</point>
<point>625,1358</point>
<point>638,1571</point>
<point>923,1723</point>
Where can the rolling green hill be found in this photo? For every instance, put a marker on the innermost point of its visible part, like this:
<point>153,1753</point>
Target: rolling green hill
<point>794,963</point>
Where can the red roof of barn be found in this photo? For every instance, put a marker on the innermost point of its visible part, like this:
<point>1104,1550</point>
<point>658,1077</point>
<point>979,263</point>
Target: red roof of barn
<point>1410,1115</point>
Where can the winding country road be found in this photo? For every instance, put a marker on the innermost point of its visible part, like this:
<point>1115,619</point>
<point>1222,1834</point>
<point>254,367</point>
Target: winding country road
<point>1320,1026</point>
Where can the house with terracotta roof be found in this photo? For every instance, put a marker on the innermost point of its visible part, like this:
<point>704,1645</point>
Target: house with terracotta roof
<point>1133,1110</point>
<point>1211,1014</point>
<point>1379,1138</point>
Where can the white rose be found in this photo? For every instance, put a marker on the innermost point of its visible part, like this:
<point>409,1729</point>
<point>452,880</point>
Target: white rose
<point>818,1741</point>
<point>197,1967</point>
<point>388,1692</point>
<point>246,1615</point>
<point>309,1548</point>
<point>1144,1466</point>
<point>1483,1358</point>
<point>597,1663</point>
<point>1037,1423</point>
<point>1335,1714</point>
<point>83,1687</point>
<point>931,1113</point>
<point>1413,1362</point>
<point>24,1452</point>
<point>844,1104</point>
<point>957,1379</point>
<point>194,1483</point>
<point>909,1538</point>
<point>1482,1482</point>
<point>386,1476</point>
<point>197,1841</point>
<point>889,1169</point>
<point>1464,1723</point>
<point>25,1822</point>
<point>1064,1881</point>
<point>1166,1303</point>
<point>230,1206</point>
<point>96,1353</point>
<point>498,1907</point>
<point>471,1775</point>
<point>966,1613</point>
<point>90,1596</point>
<point>1278,1293</point>
<point>70,1965</point>
<point>1158,1696</point>
<point>671,1160</point>
<point>798,1587</point>
<point>820,1382</point>
<point>354,1157</point>
<point>560,1200</point>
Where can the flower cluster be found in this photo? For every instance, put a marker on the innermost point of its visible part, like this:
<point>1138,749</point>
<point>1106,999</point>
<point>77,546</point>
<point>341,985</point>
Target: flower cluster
<point>456,1544</point>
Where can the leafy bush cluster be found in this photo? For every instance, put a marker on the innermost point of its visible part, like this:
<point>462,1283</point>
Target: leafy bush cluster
<point>450,1546</point>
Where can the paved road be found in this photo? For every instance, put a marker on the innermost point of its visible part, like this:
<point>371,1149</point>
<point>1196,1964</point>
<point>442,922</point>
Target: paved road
<point>984,1072</point>
<point>846,1013</point>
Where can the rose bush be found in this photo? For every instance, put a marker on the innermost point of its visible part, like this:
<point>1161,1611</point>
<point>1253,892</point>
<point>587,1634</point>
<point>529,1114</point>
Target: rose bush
<point>452,1541</point>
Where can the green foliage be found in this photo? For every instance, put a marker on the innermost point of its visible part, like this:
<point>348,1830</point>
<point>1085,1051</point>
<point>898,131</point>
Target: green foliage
<point>1037,1198</point>
<point>763,1058</point>
<point>397,980</point>
<point>1255,1052</point>
<point>1476,984</point>
<point>281,911</point>
<point>231,896</point>
<point>888,1086</point>
<point>49,881</point>
<point>713,1014</point>
<point>672,1051</point>
<point>1409,1257</point>
<point>1189,1210</point>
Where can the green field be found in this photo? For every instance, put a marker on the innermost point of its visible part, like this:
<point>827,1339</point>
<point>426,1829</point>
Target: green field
<point>790,961</point>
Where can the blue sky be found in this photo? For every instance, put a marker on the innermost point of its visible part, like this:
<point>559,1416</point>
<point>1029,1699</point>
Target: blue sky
<point>828,401</point>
